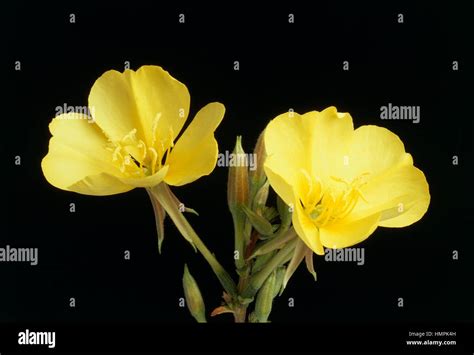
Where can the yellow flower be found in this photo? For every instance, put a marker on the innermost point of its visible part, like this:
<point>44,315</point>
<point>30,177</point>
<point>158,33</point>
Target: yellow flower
<point>342,183</point>
<point>130,139</point>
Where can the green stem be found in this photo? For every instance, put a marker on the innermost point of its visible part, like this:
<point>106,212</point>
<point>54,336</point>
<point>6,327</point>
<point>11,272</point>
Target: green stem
<point>243,269</point>
<point>162,193</point>
<point>241,237</point>
<point>240,314</point>
<point>259,278</point>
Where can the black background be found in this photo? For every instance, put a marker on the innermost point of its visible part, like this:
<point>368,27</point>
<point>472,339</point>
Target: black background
<point>282,66</point>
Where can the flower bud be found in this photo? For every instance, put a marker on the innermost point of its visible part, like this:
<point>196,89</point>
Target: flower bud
<point>257,176</point>
<point>238,181</point>
<point>280,275</point>
<point>263,304</point>
<point>238,199</point>
<point>193,297</point>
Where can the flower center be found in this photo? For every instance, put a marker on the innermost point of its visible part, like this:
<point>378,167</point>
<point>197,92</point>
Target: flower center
<point>134,158</point>
<point>326,205</point>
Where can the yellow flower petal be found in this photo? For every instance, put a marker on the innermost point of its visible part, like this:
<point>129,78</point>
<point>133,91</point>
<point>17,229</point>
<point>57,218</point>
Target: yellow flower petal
<point>76,153</point>
<point>315,142</point>
<point>147,181</point>
<point>286,138</point>
<point>340,235</point>
<point>195,153</point>
<point>121,102</point>
<point>343,183</point>
<point>331,136</point>
<point>394,186</point>
<point>306,230</point>
<point>279,184</point>
<point>402,195</point>
<point>374,150</point>
<point>304,227</point>
<point>100,185</point>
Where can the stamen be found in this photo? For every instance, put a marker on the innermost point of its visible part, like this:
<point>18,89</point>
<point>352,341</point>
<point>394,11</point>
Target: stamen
<point>135,158</point>
<point>130,136</point>
<point>117,154</point>
<point>154,158</point>
<point>154,128</point>
<point>333,204</point>
<point>309,181</point>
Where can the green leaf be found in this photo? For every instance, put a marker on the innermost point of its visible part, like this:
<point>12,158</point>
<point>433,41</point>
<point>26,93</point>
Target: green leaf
<point>258,222</point>
<point>275,243</point>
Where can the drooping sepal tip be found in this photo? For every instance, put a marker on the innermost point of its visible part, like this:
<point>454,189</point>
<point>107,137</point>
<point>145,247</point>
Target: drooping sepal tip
<point>160,216</point>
